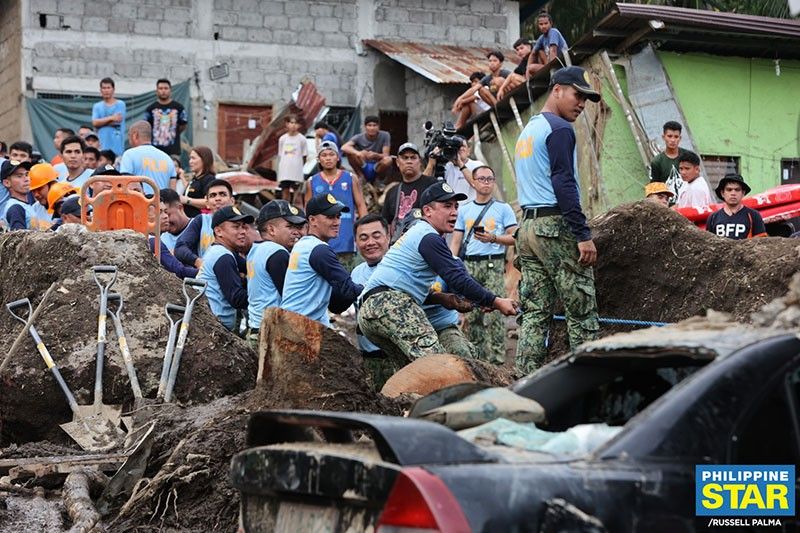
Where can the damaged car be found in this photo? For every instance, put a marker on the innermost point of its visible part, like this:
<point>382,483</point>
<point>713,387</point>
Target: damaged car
<point>620,425</point>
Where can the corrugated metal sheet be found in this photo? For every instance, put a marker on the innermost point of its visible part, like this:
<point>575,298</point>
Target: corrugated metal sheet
<point>440,63</point>
<point>692,30</point>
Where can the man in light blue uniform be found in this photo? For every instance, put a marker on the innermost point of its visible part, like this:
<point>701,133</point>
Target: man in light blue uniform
<point>198,235</point>
<point>390,313</point>
<point>17,213</point>
<point>42,176</point>
<point>315,279</point>
<point>340,183</point>
<point>178,221</point>
<point>73,170</point>
<point>226,292</point>
<point>280,225</point>
<point>485,227</point>
<point>554,242</point>
<point>144,159</point>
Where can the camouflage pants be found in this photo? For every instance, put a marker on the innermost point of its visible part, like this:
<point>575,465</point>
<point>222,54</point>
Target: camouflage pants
<point>548,256</point>
<point>455,342</point>
<point>349,260</point>
<point>394,322</point>
<point>487,331</point>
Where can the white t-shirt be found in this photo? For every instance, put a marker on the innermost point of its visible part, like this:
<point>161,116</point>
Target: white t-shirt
<point>456,180</point>
<point>695,194</point>
<point>291,151</point>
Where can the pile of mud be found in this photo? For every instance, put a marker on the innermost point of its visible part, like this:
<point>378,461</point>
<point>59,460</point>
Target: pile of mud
<point>214,363</point>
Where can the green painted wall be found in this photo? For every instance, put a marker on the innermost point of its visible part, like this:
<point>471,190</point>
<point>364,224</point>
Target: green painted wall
<point>739,107</point>
<point>734,107</point>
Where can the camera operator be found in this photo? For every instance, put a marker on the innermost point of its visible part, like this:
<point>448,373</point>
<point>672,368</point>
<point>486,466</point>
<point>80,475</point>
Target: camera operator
<point>457,173</point>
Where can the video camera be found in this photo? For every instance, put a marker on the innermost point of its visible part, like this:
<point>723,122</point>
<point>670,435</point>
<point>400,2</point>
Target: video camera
<point>446,140</point>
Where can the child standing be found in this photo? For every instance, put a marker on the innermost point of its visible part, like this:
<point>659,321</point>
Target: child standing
<point>292,152</point>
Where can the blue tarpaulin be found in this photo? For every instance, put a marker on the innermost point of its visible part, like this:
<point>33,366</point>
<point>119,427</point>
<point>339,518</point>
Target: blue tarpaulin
<point>47,115</point>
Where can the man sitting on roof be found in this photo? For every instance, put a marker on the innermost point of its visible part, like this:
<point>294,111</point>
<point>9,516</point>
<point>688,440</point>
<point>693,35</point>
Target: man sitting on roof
<point>470,104</point>
<point>523,49</point>
<point>547,46</point>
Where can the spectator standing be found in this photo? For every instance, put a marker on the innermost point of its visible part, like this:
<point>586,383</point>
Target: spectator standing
<point>107,157</point>
<point>325,132</point>
<point>17,212</point>
<point>484,228</point>
<point>144,159</point>
<point>20,151</point>
<point>405,196</point>
<point>369,151</point>
<point>347,190</point>
<point>177,221</point>
<point>547,46</point>
<point>315,278</point>
<point>84,131</point>
<point>58,138</point>
<point>201,164</point>
<point>735,220</point>
<point>664,166</point>
<point>226,291</point>
<point>696,192</point>
<point>90,157</point>
<point>292,153</point>
<point>93,140</point>
<point>168,119</point>
<point>74,170</point>
<point>108,116</point>
<point>554,242</point>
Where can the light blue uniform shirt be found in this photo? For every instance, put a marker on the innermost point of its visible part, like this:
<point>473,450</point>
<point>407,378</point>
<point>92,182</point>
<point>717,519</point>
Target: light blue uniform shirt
<point>360,275</point>
<point>28,208</point>
<point>169,239</point>
<point>403,267</point>
<point>78,182</point>
<point>532,165</point>
<point>304,291</point>
<point>147,160</point>
<point>261,290</point>
<point>4,195</point>
<point>497,219</point>
<point>40,219</point>
<point>221,308</point>
<point>206,234</point>
<point>112,137</point>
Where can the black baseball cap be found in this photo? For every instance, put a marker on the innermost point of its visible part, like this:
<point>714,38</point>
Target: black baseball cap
<point>280,209</point>
<point>107,170</point>
<point>578,78</point>
<point>10,166</point>
<point>440,192</point>
<point>229,213</point>
<point>731,178</point>
<point>325,204</point>
<point>71,206</point>
<point>408,146</point>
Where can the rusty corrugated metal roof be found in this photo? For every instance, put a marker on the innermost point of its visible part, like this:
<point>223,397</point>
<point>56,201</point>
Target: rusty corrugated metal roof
<point>441,63</point>
<point>691,30</point>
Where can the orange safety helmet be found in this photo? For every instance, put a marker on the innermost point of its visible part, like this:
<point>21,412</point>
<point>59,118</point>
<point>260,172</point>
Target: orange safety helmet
<point>41,174</point>
<point>57,192</point>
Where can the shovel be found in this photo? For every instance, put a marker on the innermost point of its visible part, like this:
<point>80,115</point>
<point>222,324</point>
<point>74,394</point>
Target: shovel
<point>92,433</point>
<point>114,298</point>
<point>173,329</point>
<point>110,412</point>
<point>199,287</point>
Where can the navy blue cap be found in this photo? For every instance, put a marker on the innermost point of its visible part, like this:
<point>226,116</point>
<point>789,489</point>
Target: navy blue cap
<point>71,206</point>
<point>440,192</point>
<point>325,204</point>
<point>10,166</point>
<point>280,209</point>
<point>578,78</point>
<point>229,213</point>
<point>107,170</point>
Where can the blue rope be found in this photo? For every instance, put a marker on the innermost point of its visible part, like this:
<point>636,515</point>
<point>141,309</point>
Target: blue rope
<point>622,321</point>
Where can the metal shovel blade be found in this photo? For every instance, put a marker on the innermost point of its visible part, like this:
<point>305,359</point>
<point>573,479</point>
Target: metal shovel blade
<point>94,433</point>
<point>122,483</point>
<point>112,413</point>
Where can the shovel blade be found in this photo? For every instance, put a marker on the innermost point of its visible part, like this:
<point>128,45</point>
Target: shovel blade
<point>112,413</point>
<point>94,434</point>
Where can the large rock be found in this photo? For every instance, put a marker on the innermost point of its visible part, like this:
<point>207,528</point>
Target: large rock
<point>215,362</point>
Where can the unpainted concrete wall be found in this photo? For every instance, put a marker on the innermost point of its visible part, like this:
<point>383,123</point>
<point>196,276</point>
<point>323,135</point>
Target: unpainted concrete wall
<point>10,71</point>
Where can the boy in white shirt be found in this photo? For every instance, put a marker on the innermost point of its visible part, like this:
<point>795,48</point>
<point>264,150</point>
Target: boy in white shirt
<point>696,193</point>
<point>292,152</point>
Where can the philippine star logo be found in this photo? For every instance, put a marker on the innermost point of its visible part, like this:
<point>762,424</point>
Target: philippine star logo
<point>748,493</point>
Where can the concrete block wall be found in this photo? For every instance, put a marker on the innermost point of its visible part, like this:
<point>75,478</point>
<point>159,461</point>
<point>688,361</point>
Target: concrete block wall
<point>269,45</point>
<point>428,101</point>
<point>10,72</point>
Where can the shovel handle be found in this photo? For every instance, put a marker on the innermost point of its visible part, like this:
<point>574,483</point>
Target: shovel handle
<point>115,297</point>
<point>198,285</point>
<point>16,304</point>
<point>31,319</point>
<point>104,269</point>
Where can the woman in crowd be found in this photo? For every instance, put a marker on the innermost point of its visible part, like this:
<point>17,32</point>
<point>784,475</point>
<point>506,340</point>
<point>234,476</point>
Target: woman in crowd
<point>201,164</point>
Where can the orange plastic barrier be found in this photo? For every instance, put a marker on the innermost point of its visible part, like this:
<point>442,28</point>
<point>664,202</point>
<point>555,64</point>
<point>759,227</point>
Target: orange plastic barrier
<point>122,208</point>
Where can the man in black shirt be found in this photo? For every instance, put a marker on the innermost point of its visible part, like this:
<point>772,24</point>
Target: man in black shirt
<point>405,196</point>
<point>523,49</point>
<point>735,220</point>
<point>167,118</point>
